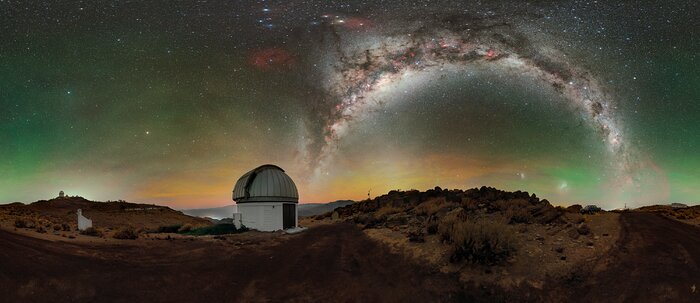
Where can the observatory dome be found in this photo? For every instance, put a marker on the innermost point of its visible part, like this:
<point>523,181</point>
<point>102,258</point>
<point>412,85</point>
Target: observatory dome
<point>267,183</point>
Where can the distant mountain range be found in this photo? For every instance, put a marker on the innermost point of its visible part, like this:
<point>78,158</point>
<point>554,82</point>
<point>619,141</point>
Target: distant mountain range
<point>305,210</point>
<point>313,209</point>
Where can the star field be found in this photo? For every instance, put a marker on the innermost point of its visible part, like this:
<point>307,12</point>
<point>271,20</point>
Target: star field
<point>169,102</point>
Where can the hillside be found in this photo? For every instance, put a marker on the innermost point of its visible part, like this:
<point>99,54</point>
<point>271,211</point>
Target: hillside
<point>486,236</point>
<point>109,215</point>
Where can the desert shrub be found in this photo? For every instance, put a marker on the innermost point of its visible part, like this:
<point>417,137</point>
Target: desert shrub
<point>433,206</point>
<point>516,214</point>
<point>57,227</point>
<point>216,229</point>
<point>480,240</point>
<point>368,220</point>
<point>168,229</point>
<point>40,229</point>
<point>387,210</point>
<point>91,231</point>
<point>185,228</point>
<point>503,205</point>
<point>453,197</point>
<point>432,227</point>
<point>126,233</point>
<point>19,223</point>
<point>470,204</point>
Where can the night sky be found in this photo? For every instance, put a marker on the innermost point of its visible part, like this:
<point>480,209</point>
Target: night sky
<point>169,102</point>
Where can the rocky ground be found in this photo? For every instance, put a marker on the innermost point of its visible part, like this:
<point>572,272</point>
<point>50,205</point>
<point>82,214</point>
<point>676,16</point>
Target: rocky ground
<point>538,252</point>
<point>479,245</point>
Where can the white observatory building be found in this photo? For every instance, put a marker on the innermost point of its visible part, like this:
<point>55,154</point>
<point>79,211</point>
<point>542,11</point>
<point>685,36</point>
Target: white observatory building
<point>266,199</point>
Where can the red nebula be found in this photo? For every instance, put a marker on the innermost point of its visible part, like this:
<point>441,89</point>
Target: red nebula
<point>490,54</point>
<point>273,58</point>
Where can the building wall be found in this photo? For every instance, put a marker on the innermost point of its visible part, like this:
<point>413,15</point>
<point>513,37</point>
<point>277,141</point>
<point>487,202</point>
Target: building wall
<point>83,223</point>
<point>265,216</point>
<point>261,216</point>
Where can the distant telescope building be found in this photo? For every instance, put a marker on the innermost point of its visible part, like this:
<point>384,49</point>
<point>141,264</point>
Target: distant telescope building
<point>266,199</point>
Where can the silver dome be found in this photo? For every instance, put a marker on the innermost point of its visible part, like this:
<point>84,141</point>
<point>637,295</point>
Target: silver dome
<point>267,183</point>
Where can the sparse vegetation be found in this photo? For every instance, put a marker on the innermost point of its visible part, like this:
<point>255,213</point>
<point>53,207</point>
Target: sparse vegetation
<point>20,223</point>
<point>126,233</point>
<point>185,228</point>
<point>169,229</point>
<point>91,231</point>
<point>217,229</point>
<point>368,220</point>
<point>387,210</point>
<point>433,206</point>
<point>478,240</point>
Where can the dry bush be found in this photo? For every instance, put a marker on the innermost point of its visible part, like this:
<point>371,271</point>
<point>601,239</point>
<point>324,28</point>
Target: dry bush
<point>480,240</point>
<point>470,204</point>
<point>368,220</point>
<point>515,214</point>
<point>433,206</point>
<point>20,223</point>
<point>40,229</point>
<point>126,233</point>
<point>504,205</point>
<point>432,227</point>
<point>91,231</point>
<point>185,228</point>
<point>387,210</point>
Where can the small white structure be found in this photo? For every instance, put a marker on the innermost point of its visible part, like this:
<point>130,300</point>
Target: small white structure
<point>83,223</point>
<point>61,194</point>
<point>266,199</point>
<point>236,217</point>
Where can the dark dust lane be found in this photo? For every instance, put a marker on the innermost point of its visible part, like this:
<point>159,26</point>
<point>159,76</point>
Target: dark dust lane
<point>336,263</point>
<point>658,260</point>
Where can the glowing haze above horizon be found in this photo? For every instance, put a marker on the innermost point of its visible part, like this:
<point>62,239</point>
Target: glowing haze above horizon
<point>169,102</point>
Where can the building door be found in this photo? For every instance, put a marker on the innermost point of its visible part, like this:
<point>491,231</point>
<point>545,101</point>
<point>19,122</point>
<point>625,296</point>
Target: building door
<point>289,215</point>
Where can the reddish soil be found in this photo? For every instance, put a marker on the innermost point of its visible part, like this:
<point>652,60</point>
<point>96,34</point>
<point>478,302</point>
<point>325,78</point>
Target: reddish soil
<point>328,263</point>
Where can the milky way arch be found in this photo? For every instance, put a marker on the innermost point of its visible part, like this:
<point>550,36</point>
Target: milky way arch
<point>358,72</point>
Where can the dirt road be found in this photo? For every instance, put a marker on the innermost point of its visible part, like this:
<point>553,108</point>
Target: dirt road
<point>332,263</point>
<point>658,260</point>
